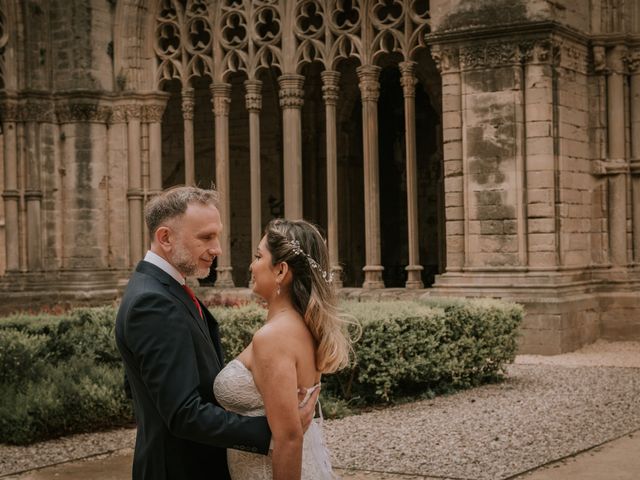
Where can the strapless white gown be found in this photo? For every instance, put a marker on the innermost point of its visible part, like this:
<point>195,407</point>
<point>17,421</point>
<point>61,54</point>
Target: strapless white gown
<point>236,391</point>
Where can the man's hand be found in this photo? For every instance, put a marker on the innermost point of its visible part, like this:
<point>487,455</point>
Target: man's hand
<point>308,410</point>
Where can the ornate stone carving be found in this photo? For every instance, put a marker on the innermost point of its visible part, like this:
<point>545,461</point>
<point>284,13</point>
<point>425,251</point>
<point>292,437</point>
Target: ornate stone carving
<point>250,35</point>
<point>408,78</point>
<point>119,114</point>
<point>69,112</point>
<point>221,98</point>
<point>369,84</point>
<point>153,113</point>
<point>291,91</point>
<point>330,87</point>
<point>253,97</point>
<point>599,59</point>
<point>632,61</point>
<point>489,55</point>
<point>35,110</point>
<point>9,111</point>
<point>133,112</point>
<point>446,58</point>
<point>187,103</point>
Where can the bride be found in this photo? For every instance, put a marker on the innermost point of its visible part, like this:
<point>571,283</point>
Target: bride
<point>303,337</point>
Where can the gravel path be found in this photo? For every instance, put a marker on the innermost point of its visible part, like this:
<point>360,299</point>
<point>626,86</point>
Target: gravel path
<point>548,408</point>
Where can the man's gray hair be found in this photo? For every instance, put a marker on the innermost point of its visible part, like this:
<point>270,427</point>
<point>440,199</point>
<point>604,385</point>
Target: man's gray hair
<point>172,203</point>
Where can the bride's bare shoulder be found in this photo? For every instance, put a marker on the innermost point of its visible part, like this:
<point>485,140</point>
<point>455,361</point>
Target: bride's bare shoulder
<point>281,329</point>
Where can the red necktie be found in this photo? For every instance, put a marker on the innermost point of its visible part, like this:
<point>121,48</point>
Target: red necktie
<point>193,297</point>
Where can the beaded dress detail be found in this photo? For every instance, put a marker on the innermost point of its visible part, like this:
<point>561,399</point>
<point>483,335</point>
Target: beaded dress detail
<point>236,391</point>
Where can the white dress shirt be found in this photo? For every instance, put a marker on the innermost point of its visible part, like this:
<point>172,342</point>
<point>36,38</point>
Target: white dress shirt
<point>165,266</point>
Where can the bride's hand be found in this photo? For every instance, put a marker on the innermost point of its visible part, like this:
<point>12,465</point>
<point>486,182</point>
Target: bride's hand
<point>307,410</point>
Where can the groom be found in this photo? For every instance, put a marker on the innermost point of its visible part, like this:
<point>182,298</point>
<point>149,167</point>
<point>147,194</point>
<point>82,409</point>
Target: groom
<point>171,349</point>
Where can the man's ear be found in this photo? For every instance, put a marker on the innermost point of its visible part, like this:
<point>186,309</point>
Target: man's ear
<point>164,238</point>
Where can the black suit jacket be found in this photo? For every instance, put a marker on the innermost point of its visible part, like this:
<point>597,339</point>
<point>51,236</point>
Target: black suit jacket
<point>171,357</point>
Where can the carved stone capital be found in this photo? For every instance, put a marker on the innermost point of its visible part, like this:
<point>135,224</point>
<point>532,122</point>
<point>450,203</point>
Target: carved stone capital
<point>632,61</point>
<point>187,103</point>
<point>38,111</point>
<point>446,58</point>
<point>133,112</point>
<point>408,78</point>
<point>153,113</point>
<point>369,84</point>
<point>221,98</point>
<point>119,114</point>
<point>615,59</point>
<point>489,55</point>
<point>599,59</point>
<point>253,97</point>
<point>291,91</point>
<point>72,112</point>
<point>330,86</point>
<point>9,111</point>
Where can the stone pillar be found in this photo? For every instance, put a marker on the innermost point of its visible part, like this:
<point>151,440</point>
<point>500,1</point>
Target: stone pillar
<point>153,116</point>
<point>134,192</point>
<point>84,176</point>
<point>221,97</point>
<point>455,194</point>
<point>408,81</point>
<point>330,90</point>
<point>634,94</point>
<point>189,155</point>
<point>11,195</point>
<point>33,191</point>
<point>616,164</point>
<point>253,99</point>
<point>370,91</point>
<point>291,99</point>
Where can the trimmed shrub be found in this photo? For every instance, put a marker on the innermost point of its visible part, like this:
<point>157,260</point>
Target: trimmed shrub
<point>63,374</point>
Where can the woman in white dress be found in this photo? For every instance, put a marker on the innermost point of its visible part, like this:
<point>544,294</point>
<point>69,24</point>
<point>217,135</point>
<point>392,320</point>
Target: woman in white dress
<point>303,337</point>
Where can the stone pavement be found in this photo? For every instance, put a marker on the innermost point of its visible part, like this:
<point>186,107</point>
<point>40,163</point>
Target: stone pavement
<point>615,460</point>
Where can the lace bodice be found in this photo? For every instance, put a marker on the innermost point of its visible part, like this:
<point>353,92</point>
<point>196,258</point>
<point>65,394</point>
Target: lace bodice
<point>236,391</point>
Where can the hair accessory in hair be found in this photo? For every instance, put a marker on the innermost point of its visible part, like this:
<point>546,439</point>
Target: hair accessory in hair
<point>297,250</point>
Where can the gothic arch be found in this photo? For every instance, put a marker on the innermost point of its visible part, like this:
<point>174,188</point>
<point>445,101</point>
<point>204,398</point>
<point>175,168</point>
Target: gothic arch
<point>11,44</point>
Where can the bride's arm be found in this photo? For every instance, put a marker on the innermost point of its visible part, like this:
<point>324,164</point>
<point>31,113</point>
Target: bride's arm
<point>274,372</point>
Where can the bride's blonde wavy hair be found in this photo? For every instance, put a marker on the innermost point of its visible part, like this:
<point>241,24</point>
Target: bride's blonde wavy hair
<point>312,292</point>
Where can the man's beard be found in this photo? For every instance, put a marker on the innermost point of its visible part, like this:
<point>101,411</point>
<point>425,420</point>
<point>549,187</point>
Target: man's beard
<point>185,263</point>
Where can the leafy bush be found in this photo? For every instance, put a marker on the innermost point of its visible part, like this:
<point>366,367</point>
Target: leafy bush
<point>62,374</point>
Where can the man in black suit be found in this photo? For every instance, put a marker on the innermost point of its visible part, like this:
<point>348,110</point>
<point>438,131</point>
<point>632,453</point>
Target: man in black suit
<point>171,349</point>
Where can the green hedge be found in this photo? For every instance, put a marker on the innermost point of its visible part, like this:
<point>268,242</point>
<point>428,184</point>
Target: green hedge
<point>62,374</point>
<point>407,347</point>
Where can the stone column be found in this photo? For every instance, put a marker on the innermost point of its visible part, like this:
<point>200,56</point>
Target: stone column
<point>616,162</point>
<point>253,99</point>
<point>447,62</point>
<point>330,90</point>
<point>370,91</point>
<point>408,81</point>
<point>134,192</point>
<point>153,116</point>
<point>221,97</point>
<point>11,195</point>
<point>291,99</point>
<point>634,94</point>
<point>187,116</point>
<point>84,176</point>
<point>33,191</point>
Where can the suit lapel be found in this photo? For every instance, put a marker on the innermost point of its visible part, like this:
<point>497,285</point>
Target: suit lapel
<point>215,333</point>
<point>177,291</point>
